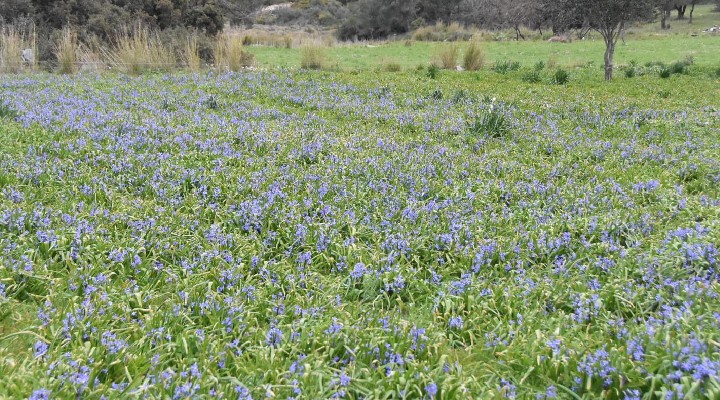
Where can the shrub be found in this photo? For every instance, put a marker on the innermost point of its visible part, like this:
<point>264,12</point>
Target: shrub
<point>717,73</point>
<point>312,57</point>
<point>474,57</point>
<point>448,56</point>
<point>441,32</point>
<point>665,72</point>
<point>492,123</point>
<point>561,77</point>
<point>433,71</point>
<point>67,51</point>
<point>630,72</point>
<point>539,66</point>
<point>139,50</point>
<point>503,67</point>
<point>229,54</point>
<point>677,67</point>
<point>532,76</point>
<point>11,47</point>
<point>191,54</point>
<point>393,67</point>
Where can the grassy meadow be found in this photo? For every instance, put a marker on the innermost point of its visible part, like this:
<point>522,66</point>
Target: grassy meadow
<point>644,43</point>
<point>357,233</point>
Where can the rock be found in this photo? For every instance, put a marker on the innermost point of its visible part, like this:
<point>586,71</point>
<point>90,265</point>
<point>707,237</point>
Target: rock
<point>28,56</point>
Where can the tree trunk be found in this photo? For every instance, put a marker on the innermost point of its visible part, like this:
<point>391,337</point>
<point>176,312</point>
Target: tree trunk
<point>681,11</point>
<point>664,15</point>
<point>609,53</point>
<point>518,34</point>
<point>692,8</point>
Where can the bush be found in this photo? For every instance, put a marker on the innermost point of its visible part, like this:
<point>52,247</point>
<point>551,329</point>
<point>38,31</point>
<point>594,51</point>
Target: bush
<point>630,72</point>
<point>140,50</point>
<point>433,71</point>
<point>532,76</point>
<point>503,67</point>
<point>539,66</point>
<point>11,47</point>
<point>67,51</point>
<point>229,54</point>
<point>191,54</point>
<point>490,123</point>
<point>717,73</point>
<point>665,72</point>
<point>677,67</point>
<point>393,67</point>
<point>474,57</point>
<point>561,77</point>
<point>441,32</point>
<point>448,56</point>
<point>312,57</point>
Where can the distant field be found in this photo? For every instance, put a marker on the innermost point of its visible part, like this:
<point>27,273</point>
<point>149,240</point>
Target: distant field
<point>644,44</point>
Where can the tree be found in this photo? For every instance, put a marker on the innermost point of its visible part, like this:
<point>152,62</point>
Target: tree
<point>10,10</point>
<point>372,19</point>
<point>609,17</point>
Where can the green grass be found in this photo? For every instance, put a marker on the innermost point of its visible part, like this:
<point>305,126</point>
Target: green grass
<point>578,53</point>
<point>467,235</point>
<point>645,43</point>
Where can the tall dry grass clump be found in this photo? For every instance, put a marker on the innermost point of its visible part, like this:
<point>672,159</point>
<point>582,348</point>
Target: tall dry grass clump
<point>474,57</point>
<point>90,56</point>
<point>312,56</point>
<point>447,57</point>
<point>140,50</point>
<point>67,51</point>
<point>13,42</point>
<point>229,53</point>
<point>191,54</point>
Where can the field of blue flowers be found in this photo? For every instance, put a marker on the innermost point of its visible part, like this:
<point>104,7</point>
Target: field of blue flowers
<point>315,235</point>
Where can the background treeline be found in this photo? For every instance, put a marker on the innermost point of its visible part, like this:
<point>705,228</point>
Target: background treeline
<point>103,21</point>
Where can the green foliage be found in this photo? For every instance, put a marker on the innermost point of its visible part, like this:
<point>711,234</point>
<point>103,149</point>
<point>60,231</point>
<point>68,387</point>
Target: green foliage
<point>343,233</point>
<point>533,76</point>
<point>665,72</point>
<point>432,71</point>
<point>505,66</point>
<point>459,96</point>
<point>491,123</point>
<point>7,112</point>
<point>630,72</point>
<point>561,77</point>
<point>392,67</point>
<point>678,67</point>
